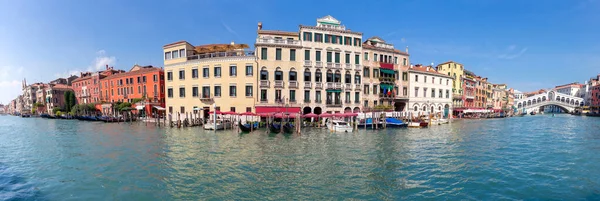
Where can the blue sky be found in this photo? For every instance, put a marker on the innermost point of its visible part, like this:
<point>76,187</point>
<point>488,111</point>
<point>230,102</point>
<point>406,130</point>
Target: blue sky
<point>526,44</point>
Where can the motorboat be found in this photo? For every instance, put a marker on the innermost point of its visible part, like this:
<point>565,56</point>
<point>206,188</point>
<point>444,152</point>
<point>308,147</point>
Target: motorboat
<point>532,113</point>
<point>220,125</point>
<point>418,124</point>
<point>339,126</point>
<point>247,127</point>
<point>275,128</point>
<point>395,123</point>
<point>439,121</point>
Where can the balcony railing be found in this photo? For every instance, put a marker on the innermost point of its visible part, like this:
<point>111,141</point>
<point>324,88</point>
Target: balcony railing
<point>307,63</point>
<point>469,97</point>
<point>330,85</point>
<point>264,83</point>
<point>221,54</point>
<point>278,84</point>
<point>336,103</point>
<point>293,84</point>
<point>329,65</point>
<point>318,85</point>
<point>338,85</point>
<point>264,100</point>
<point>357,67</point>
<point>306,100</point>
<point>277,41</point>
<point>307,85</point>
<point>357,87</point>
<point>456,96</point>
<point>318,64</point>
<point>338,66</point>
<point>387,79</point>
<point>386,97</point>
<point>348,66</point>
<point>348,87</point>
<point>205,97</point>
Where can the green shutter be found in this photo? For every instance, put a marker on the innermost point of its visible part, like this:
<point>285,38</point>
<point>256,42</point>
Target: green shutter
<point>387,71</point>
<point>307,55</point>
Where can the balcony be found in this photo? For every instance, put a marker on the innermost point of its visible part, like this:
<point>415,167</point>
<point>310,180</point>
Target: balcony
<point>470,97</point>
<point>306,101</point>
<point>293,85</point>
<point>278,84</point>
<point>318,101</point>
<point>357,67</point>
<point>277,41</point>
<point>386,97</point>
<point>307,85</point>
<point>330,85</point>
<point>338,85</point>
<point>329,65</point>
<point>348,87</point>
<point>357,87</point>
<point>337,66</point>
<point>330,103</point>
<point>307,63</point>
<point>390,80</point>
<point>318,85</point>
<point>264,101</point>
<point>264,84</point>
<point>348,66</point>
<point>456,96</point>
<point>319,64</point>
<point>221,54</point>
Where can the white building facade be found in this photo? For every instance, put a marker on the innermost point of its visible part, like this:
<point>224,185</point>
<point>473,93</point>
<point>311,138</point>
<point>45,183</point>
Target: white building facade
<point>430,92</point>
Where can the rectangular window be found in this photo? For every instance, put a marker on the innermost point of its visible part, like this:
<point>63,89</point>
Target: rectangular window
<point>195,73</point>
<point>182,74</point>
<point>374,57</point>
<point>249,91</point>
<point>425,92</point>
<point>175,54</point>
<point>169,76</point>
<point>404,61</point>
<point>278,54</point>
<point>357,59</point>
<point>217,91</point>
<point>375,73</point>
<point>306,55</point>
<point>167,55</point>
<point>292,95</point>
<point>181,92</point>
<point>327,38</point>
<point>433,93</point>
<point>181,53</point>
<point>217,71</point>
<point>139,89</point>
<point>155,77</point>
<point>292,55</point>
<point>366,56</point>
<point>138,80</point>
<point>205,72</point>
<point>263,53</point>
<point>248,109</point>
<point>232,91</point>
<point>416,91</point>
<point>337,57</point>
<point>366,104</point>
<point>375,89</point>
<point>395,60</point>
<point>366,72</point>
<point>232,71</point>
<point>347,41</point>
<point>307,36</point>
<point>334,39</point>
<point>306,96</point>
<point>263,95</point>
<point>441,92</point>
<point>447,93</point>
<point>318,96</point>
<point>205,92</point>
<point>356,97</point>
<point>404,76</point>
<point>318,55</point>
<point>329,57</point>
<point>194,92</point>
<point>347,58</point>
<point>249,70</point>
<point>318,37</point>
<point>416,78</point>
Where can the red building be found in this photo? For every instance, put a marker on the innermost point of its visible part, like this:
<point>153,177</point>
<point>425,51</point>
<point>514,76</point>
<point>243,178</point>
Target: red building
<point>142,86</point>
<point>468,92</point>
<point>87,86</point>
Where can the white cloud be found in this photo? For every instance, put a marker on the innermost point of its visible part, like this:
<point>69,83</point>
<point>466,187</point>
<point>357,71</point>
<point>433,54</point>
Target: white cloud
<point>10,72</point>
<point>99,63</point>
<point>229,29</point>
<point>513,55</point>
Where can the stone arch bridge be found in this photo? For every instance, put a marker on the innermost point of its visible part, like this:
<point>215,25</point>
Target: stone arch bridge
<point>563,101</point>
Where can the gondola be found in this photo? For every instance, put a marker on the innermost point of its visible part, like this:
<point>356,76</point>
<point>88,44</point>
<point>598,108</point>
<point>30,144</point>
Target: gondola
<point>247,127</point>
<point>288,128</point>
<point>275,128</point>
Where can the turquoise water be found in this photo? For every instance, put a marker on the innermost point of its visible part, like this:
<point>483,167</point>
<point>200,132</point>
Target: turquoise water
<point>533,157</point>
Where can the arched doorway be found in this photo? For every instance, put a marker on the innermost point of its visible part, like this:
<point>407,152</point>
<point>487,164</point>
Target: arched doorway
<point>306,110</point>
<point>347,110</point>
<point>399,106</point>
<point>446,110</point>
<point>356,110</point>
<point>318,110</point>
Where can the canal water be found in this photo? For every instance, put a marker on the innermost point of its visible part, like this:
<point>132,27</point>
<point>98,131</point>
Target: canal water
<point>533,157</point>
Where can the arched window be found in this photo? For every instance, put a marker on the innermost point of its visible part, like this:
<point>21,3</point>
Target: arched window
<point>293,75</point>
<point>338,76</point>
<point>318,76</point>
<point>278,74</point>
<point>329,76</point>
<point>307,75</point>
<point>416,108</point>
<point>264,74</point>
<point>348,78</point>
<point>357,78</point>
<point>424,108</point>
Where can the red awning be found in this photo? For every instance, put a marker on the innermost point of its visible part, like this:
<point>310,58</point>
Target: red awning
<point>268,109</point>
<point>386,65</point>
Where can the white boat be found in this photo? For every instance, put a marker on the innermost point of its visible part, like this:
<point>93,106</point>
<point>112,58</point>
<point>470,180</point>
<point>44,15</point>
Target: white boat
<point>339,126</point>
<point>221,124</point>
<point>414,124</point>
<point>439,121</point>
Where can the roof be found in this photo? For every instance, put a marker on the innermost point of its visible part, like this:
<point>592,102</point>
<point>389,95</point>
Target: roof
<point>60,86</point>
<point>368,46</point>
<point>176,43</point>
<point>218,48</point>
<point>447,62</point>
<point>277,32</point>
<point>136,72</point>
<point>431,71</point>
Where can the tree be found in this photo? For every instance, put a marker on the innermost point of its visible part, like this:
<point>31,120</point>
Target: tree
<point>70,100</point>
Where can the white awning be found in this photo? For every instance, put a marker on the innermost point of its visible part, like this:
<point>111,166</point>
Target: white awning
<point>139,107</point>
<point>159,108</point>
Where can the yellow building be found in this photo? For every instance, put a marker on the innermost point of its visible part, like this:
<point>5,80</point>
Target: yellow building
<point>199,76</point>
<point>456,71</point>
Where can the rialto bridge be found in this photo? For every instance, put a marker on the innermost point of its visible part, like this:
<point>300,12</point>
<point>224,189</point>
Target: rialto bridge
<point>563,101</point>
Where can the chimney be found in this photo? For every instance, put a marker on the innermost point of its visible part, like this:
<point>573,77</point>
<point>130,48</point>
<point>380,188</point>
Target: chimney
<point>232,43</point>
<point>428,68</point>
<point>406,49</point>
<point>259,26</point>
<point>106,66</point>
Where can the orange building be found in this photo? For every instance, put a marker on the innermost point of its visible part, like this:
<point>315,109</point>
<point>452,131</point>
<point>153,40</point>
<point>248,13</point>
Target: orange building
<point>142,86</point>
<point>87,88</point>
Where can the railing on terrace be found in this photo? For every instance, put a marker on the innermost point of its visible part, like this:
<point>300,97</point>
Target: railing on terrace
<point>318,85</point>
<point>293,84</point>
<point>277,41</point>
<point>307,85</point>
<point>278,84</point>
<point>318,64</point>
<point>221,54</point>
<point>307,63</point>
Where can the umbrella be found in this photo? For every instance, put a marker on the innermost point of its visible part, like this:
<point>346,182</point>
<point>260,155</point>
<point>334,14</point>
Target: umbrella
<point>326,115</point>
<point>310,115</point>
<point>265,114</point>
<point>349,114</point>
<point>280,115</point>
<point>230,112</point>
<point>248,114</point>
<point>218,112</point>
